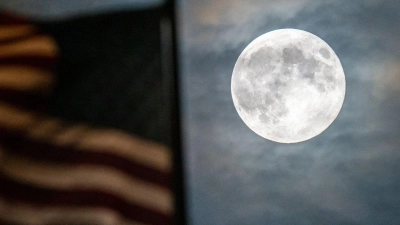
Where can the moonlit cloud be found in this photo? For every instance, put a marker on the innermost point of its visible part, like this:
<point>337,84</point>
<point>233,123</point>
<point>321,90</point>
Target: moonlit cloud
<point>234,12</point>
<point>226,24</point>
<point>387,82</point>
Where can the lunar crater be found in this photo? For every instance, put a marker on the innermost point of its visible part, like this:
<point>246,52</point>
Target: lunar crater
<point>292,55</point>
<point>325,53</point>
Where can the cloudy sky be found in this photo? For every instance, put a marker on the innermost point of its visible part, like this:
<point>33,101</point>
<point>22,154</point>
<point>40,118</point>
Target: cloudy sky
<point>350,174</point>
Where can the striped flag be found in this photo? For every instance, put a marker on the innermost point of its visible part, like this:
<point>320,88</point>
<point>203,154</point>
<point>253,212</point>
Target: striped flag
<point>55,172</point>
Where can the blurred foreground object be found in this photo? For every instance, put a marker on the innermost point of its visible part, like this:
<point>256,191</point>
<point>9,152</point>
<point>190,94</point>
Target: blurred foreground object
<point>58,172</point>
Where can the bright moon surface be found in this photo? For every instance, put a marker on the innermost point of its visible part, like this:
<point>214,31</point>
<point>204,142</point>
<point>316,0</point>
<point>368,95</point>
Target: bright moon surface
<point>288,85</point>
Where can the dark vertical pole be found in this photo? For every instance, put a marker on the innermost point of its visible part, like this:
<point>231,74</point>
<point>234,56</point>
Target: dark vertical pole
<point>175,106</point>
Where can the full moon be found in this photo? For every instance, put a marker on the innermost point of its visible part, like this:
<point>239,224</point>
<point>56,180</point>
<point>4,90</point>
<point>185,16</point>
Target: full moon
<point>288,85</point>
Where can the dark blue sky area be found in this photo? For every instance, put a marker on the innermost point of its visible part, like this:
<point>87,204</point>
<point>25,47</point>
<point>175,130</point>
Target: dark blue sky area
<point>347,175</point>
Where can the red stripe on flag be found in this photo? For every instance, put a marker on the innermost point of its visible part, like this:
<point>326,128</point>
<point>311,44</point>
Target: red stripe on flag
<point>7,18</point>
<point>25,100</point>
<point>38,61</point>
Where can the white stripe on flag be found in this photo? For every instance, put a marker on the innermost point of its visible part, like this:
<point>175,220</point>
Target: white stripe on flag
<point>89,177</point>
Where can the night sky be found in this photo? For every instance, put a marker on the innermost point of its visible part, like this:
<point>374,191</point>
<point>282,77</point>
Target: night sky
<point>350,174</point>
<point>347,175</point>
